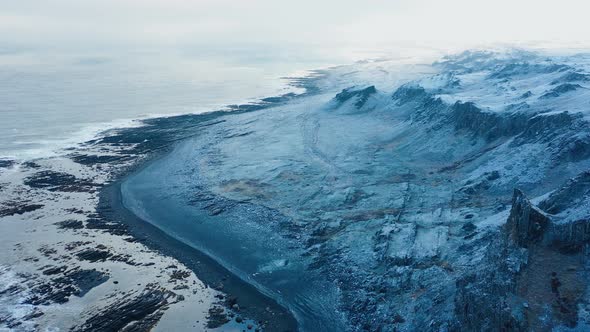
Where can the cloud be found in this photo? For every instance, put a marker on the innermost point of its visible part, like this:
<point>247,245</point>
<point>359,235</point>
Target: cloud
<point>88,23</point>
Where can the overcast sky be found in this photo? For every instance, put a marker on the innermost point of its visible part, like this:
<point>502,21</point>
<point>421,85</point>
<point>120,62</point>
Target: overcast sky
<point>87,23</point>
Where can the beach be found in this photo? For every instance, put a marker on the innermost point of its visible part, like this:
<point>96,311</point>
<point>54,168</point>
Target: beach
<point>78,252</point>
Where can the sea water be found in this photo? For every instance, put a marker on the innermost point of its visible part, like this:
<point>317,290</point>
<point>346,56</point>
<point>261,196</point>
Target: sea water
<point>53,100</point>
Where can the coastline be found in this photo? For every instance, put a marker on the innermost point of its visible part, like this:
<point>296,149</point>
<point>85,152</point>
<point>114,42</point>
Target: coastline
<point>77,249</point>
<point>240,299</point>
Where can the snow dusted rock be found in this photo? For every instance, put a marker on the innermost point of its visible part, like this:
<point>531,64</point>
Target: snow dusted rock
<point>360,96</point>
<point>564,197</point>
<point>355,99</point>
<point>409,92</point>
<point>572,77</point>
<point>491,126</point>
<point>560,90</point>
<point>526,223</point>
<point>561,220</point>
<point>569,208</point>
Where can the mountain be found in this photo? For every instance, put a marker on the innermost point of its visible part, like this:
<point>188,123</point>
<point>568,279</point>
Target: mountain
<point>456,200</point>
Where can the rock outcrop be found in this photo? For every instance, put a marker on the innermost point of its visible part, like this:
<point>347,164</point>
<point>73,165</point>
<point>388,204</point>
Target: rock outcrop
<point>360,96</point>
<point>527,223</point>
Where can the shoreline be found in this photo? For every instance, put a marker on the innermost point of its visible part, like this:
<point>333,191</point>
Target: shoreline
<point>242,298</point>
<point>252,303</point>
<point>69,212</point>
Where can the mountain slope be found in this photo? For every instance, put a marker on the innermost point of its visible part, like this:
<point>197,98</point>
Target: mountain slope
<point>399,198</point>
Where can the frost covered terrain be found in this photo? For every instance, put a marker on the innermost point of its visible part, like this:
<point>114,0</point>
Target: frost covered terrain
<point>399,203</point>
<point>390,196</point>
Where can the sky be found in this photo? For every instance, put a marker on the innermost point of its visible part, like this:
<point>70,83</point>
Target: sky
<point>314,23</point>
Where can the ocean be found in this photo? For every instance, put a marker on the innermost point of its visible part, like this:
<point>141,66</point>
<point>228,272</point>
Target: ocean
<point>52,100</point>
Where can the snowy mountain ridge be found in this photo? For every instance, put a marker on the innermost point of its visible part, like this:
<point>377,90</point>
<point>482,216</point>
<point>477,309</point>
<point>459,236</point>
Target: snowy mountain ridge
<point>520,81</point>
<point>469,137</point>
<point>395,197</point>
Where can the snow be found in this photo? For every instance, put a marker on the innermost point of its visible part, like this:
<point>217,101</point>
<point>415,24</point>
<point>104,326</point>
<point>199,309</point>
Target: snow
<point>477,83</point>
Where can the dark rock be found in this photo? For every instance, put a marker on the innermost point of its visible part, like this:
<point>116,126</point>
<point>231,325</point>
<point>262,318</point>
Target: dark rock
<point>564,197</point>
<point>525,68</point>
<point>130,313</point>
<point>545,127</point>
<point>110,227</point>
<point>490,125</point>
<point>85,279</point>
<point>469,227</point>
<point>35,314</point>
<point>55,270</point>
<point>87,159</point>
<point>517,107</point>
<point>179,275</point>
<point>65,284</point>
<point>93,255</point>
<point>6,163</point>
<point>397,318</point>
<point>409,92</point>
<point>56,181</point>
<point>361,95</point>
<point>572,77</point>
<point>574,149</point>
<point>232,300</point>
<point>560,90</point>
<point>31,164</point>
<point>491,176</point>
<point>481,300</point>
<point>527,223</point>
<point>11,208</point>
<point>75,245</point>
<point>47,251</point>
<point>569,235</point>
<point>70,224</point>
<point>217,317</point>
